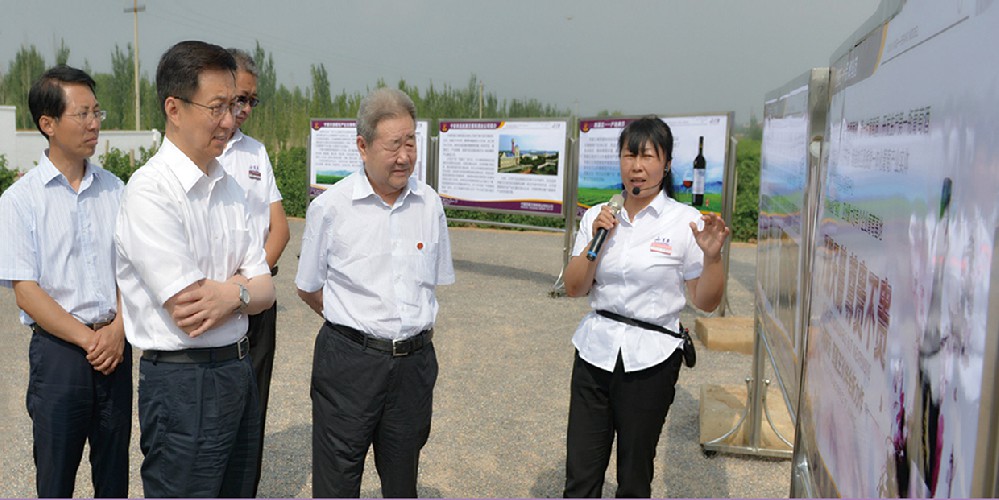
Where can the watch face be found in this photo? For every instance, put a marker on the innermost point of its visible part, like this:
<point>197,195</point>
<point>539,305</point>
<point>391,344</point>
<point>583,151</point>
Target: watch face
<point>244,296</point>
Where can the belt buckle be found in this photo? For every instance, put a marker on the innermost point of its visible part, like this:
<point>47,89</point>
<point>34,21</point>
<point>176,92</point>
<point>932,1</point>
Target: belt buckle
<point>243,347</point>
<point>395,352</point>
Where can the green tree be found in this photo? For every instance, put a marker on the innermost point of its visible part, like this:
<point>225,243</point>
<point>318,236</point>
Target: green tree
<point>747,196</point>
<point>62,53</point>
<point>120,90</point>
<point>322,103</point>
<point>27,66</point>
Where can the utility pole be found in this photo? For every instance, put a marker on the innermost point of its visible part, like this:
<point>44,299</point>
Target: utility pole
<point>136,8</point>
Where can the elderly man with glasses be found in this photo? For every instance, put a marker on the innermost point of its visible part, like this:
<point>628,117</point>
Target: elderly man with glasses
<point>245,159</point>
<point>191,269</point>
<point>58,256</point>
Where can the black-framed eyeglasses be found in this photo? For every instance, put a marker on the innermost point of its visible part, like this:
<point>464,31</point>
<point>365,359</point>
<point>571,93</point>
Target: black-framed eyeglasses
<point>218,110</point>
<point>247,101</point>
<point>86,116</point>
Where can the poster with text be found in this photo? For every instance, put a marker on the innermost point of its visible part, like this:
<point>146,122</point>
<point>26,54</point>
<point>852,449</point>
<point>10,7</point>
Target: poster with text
<point>903,255</point>
<point>599,175</point>
<point>333,152</point>
<point>783,175</point>
<point>510,166</point>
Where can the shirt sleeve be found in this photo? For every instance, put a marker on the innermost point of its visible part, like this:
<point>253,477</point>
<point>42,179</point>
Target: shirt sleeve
<point>150,236</point>
<point>254,258</point>
<point>273,194</point>
<point>18,252</point>
<point>312,260</point>
<point>445,266</point>
<point>584,230</point>
<point>693,257</point>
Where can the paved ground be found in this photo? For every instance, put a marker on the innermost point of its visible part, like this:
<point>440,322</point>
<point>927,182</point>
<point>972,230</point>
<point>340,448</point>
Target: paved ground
<point>502,396</point>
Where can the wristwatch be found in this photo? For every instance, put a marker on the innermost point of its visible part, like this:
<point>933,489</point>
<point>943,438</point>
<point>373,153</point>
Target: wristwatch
<point>244,297</point>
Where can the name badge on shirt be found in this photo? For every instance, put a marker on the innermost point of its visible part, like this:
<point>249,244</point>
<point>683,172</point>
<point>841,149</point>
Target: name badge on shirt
<point>661,245</point>
<point>254,172</point>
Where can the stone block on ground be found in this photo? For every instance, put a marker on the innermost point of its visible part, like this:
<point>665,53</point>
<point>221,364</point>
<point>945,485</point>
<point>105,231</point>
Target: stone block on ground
<point>728,333</point>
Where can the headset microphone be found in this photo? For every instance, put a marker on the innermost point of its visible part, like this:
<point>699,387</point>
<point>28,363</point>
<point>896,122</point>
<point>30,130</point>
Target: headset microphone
<point>636,191</point>
<point>615,204</point>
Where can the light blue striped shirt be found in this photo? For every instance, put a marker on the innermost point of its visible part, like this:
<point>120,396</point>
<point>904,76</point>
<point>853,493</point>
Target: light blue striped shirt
<point>63,239</point>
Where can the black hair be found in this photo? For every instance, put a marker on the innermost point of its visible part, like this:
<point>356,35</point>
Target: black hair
<point>650,129</point>
<point>47,97</point>
<point>181,65</point>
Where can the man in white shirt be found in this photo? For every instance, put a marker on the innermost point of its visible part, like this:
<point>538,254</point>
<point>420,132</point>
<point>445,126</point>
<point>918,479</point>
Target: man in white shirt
<point>374,249</point>
<point>58,256</point>
<point>190,269</point>
<point>245,159</point>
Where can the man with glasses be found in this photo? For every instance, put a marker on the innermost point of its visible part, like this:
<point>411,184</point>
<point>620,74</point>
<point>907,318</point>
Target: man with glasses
<point>245,159</point>
<point>58,256</point>
<point>190,270</point>
<point>374,249</point>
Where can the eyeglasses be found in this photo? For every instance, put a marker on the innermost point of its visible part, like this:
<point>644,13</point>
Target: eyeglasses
<point>218,110</point>
<point>85,116</point>
<point>247,101</point>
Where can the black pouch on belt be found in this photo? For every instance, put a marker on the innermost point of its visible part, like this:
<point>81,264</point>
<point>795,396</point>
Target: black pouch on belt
<point>689,354</point>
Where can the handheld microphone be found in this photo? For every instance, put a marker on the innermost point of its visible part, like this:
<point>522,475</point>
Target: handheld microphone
<point>598,241</point>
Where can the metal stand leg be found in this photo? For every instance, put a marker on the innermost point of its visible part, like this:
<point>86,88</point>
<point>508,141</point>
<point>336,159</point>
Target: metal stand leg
<point>756,395</point>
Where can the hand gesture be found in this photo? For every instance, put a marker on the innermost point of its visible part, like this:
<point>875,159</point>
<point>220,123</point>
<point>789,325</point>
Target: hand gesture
<point>605,219</point>
<point>208,303</point>
<point>107,348</point>
<point>712,237</point>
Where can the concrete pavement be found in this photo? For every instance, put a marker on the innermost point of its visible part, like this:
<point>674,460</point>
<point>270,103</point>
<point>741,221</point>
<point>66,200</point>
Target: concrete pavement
<point>501,399</point>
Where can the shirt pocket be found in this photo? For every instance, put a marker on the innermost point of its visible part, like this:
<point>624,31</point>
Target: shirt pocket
<point>426,274</point>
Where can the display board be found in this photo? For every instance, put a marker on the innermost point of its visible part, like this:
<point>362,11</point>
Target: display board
<point>897,330</point>
<point>599,172</point>
<point>513,166</point>
<point>788,166</point>
<point>333,152</point>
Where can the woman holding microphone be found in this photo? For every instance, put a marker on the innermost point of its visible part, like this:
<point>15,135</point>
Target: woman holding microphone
<point>627,362</point>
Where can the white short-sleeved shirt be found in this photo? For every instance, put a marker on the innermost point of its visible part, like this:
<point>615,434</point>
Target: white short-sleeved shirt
<point>377,265</point>
<point>245,159</point>
<point>62,239</point>
<point>642,274</point>
<point>177,226</point>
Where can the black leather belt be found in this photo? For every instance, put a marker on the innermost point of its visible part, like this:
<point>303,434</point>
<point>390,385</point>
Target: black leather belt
<point>35,327</point>
<point>396,348</point>
<point>639,323</point>
<point>201,355</point>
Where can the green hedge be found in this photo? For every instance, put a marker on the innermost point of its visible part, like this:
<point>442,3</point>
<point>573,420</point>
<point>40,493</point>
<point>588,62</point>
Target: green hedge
<point>122,164</point>
<point>7,177</point>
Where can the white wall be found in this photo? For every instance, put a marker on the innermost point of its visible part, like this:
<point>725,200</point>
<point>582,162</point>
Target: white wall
<point>29,145</point>
<point>24,148</point>
<point>7,145</point>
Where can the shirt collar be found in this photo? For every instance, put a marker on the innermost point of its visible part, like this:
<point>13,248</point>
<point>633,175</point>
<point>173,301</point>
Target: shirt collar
<point>186,171</point>
<point>236,137</point>
<point>50,172</point>
<point>657,205</point>
<point>363,189</point>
